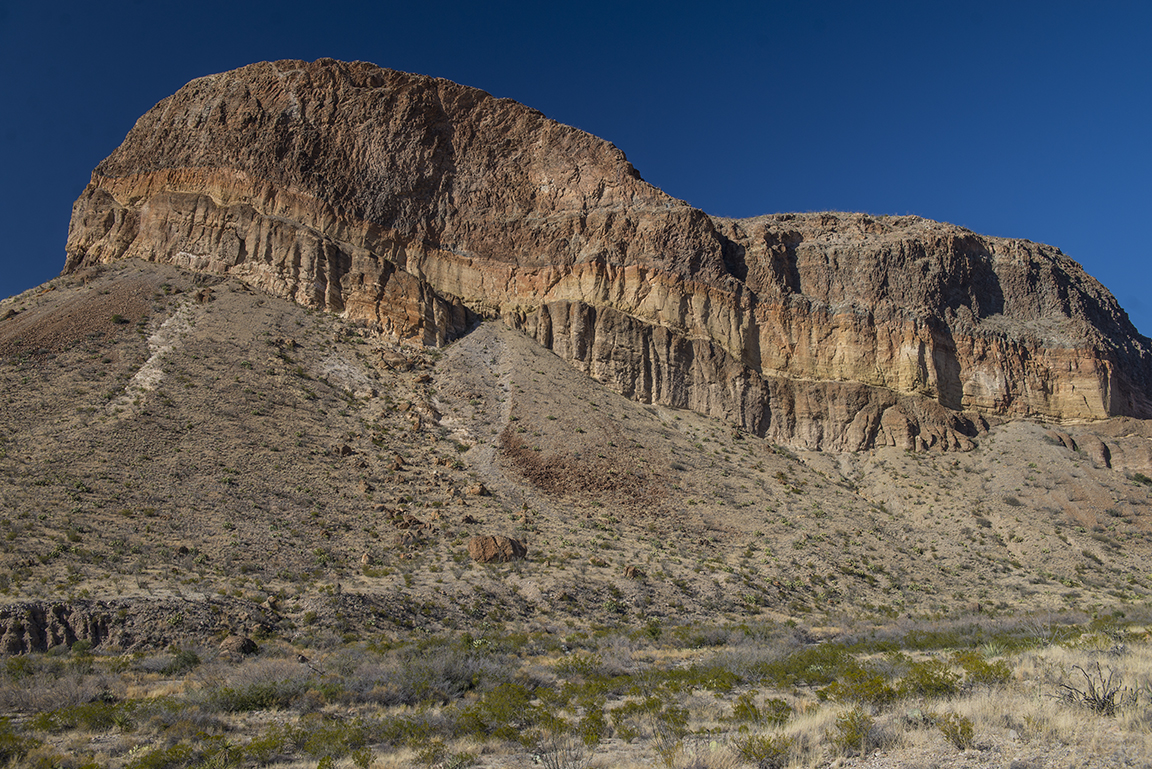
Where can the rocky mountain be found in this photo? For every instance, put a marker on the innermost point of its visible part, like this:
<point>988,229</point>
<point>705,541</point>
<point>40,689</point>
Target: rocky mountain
<point>370,410</point>
<point>418,206</point>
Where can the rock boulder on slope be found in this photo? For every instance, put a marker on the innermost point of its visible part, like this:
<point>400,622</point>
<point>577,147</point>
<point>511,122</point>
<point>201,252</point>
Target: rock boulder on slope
<point>419,205</point>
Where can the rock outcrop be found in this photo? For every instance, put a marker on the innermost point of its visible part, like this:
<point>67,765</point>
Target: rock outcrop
<point>128,624</point>
<point>419,205</point>
<point>496,549</point>
<point>238,646</point>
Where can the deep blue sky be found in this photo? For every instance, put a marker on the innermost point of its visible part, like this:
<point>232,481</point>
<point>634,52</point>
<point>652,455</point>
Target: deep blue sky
<point>1025,119</point>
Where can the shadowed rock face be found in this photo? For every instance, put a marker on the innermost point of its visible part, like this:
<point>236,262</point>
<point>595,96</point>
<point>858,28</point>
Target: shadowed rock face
<point>418,204</point>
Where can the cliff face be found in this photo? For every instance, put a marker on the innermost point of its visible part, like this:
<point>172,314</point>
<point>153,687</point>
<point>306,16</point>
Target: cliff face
<point>417,204</point>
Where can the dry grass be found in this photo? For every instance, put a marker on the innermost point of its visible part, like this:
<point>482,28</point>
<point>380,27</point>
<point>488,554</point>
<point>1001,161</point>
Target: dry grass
<point>304,703</point>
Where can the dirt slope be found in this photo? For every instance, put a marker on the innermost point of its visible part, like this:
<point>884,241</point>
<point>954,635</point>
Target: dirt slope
<point>229,449</point>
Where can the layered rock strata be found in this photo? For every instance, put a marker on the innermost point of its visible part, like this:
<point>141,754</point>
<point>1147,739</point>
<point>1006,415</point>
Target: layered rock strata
<point>417,204</point>
<point>130,624</point>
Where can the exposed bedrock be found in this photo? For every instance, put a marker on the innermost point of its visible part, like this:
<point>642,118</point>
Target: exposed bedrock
<point>653,364</point>
<point>417,205</point>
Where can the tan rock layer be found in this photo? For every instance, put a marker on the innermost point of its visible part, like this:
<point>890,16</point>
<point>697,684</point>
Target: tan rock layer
<point>417,204</point>
<point>652,364</point>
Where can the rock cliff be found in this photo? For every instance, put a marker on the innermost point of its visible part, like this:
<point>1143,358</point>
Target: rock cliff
<point>418,205</point>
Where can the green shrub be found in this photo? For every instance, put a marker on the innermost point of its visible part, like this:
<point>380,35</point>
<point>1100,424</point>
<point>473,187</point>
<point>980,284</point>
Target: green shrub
<point>979,670</point>
<point>860,685</point>
<point>257,695</point>
<point>433,753</point>
<point>957,729</point>
<point>97,716</point>
<point>504,713</point>
<point>412,730</point>
<point>579,664</point>
<point>182,661</point>
<point>318,737</point>
<point>263,749</point>
<point>744,709</point>
<point>20,667</point>
<point>854,732</point>
<point>661,715</point>
<point>174,757</point>
<point>362,758</point>
<point>13,745</point>
<point>815,666</point>
<point>929,678</point>
<point>925,640</point>
<point>625,719</point>
<point>590,689</point>
<point>593,727</point>
<point>774,711</point>
<point>714,677</point>
<point>765,751</point>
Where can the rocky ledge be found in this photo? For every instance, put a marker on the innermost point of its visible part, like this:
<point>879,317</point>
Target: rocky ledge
<point>419,205</point>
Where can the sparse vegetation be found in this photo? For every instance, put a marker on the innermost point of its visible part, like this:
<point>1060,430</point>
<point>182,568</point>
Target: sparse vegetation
<point>766,751</point>
<point>957,729</point>
<point>574,701</point>
<point>1099,691</point>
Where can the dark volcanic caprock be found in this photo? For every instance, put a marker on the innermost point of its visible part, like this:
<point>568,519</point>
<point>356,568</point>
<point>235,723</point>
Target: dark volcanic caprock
<point>418,204</point>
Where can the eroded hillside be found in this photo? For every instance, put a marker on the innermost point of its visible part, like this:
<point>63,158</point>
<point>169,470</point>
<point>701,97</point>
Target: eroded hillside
<point>197,450</point>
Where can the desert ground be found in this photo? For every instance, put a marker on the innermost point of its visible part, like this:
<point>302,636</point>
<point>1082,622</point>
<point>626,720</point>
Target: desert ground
<point>186,464</point>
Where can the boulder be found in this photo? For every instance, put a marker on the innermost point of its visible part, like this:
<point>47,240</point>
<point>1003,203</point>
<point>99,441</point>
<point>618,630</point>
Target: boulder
<point>489,549</point>
<point>240,646</point>
<point>1059,436</point>
<point>1097,450</point>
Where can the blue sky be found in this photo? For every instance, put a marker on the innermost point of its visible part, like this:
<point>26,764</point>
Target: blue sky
<point>1026,119</point>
